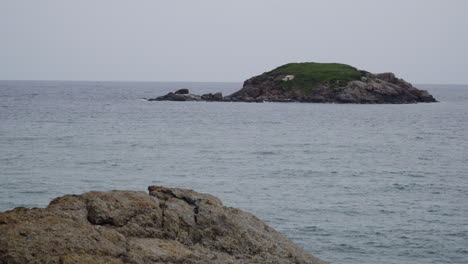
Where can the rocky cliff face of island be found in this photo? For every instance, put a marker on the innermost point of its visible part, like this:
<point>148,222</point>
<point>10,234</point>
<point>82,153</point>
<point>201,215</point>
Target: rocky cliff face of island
<point>321,83</point>
<point>167,226</point>
<point>328,83</point>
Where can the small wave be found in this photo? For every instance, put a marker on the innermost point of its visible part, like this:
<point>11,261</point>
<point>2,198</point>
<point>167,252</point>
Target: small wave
<point>458,234</point>
<point>462,250</point>
<point>416,176</point>
<point>264,153</point>
<point>310,228</point>
<point>424,158</point>
<point>386,211</point>
<point>348,248</point>
<point>64,138</point>
<point>26,138</point>
<point>33,192</point>
<point>92,162</point>
<point>19,156</point>
<point>399,186</point>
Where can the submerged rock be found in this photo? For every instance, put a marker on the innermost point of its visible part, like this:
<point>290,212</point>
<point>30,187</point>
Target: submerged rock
<point>167,226</point>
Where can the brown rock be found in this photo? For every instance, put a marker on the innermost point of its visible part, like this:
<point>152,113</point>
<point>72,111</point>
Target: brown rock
<point>168,226</point>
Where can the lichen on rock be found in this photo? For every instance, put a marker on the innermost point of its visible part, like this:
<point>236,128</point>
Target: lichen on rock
<point>169,225</point>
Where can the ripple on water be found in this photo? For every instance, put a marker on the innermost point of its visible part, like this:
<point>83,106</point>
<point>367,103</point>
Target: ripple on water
<point>264,153</point>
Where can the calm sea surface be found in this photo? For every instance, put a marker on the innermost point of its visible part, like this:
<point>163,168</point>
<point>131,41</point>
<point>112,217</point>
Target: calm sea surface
<point>349,183</point>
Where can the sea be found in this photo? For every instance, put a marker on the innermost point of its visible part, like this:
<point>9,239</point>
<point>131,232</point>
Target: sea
<point>349,183</point>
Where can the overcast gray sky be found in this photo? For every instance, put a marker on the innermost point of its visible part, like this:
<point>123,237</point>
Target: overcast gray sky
<point>422,41</point>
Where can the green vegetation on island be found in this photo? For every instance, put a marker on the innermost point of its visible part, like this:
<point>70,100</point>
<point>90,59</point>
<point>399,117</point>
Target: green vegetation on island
<point>308,75</point>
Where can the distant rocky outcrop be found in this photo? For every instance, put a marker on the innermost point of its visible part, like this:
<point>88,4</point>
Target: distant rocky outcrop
<point>179,95</point>
<point>320,83</point>
<point>167,226</point>
<point>185,95</point>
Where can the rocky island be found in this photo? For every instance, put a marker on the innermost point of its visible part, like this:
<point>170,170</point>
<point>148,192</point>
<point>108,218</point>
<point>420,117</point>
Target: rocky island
<point>316,83</point>
<point>168,225</point>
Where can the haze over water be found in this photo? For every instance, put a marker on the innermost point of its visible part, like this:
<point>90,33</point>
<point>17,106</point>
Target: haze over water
<point>349,183</point>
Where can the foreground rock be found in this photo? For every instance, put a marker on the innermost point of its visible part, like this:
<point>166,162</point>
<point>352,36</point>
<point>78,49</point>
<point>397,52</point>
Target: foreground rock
<point>166,226</point>
<point>323,83</point>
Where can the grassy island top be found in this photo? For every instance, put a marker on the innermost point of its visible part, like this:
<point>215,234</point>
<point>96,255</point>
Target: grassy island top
<point>309,74</point>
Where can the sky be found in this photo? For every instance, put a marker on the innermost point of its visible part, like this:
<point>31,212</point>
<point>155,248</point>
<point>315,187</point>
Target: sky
<point>421,41</point>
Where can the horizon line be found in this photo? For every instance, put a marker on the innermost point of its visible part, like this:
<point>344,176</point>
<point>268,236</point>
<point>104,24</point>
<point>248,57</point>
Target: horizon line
<point>148,81</point>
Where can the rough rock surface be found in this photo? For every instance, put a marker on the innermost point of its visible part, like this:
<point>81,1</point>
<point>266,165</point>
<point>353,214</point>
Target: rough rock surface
<point>370,89</point>
<point>212,97</point>
<point>182,91</point>
<point>167,226</point>
<point>177,96</point>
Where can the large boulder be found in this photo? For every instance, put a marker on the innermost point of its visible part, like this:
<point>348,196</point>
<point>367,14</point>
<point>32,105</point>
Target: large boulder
<point>182,91</point>
<point>167,226</point>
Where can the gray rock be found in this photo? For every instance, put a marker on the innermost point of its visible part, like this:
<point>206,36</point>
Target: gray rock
<point>212,97</point>
<point>167,226</point>
<point>177,97</point>
<point>182,91</point>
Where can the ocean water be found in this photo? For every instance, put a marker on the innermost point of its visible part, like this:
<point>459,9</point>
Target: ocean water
<point>349,183</point>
